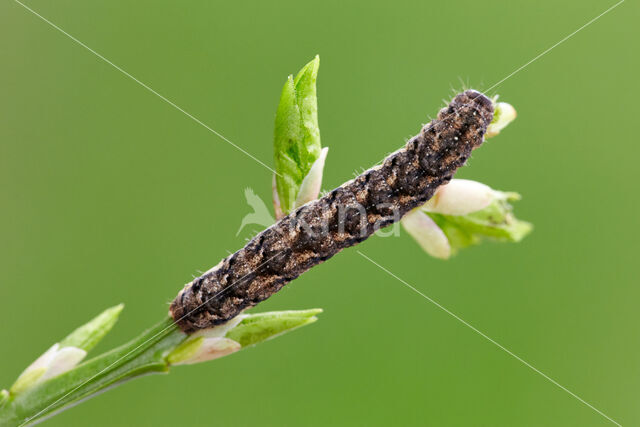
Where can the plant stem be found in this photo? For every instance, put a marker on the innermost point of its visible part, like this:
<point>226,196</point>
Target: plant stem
<point>143,355</point>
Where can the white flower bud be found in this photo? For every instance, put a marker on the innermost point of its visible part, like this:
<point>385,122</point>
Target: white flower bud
<point>462,197</point>
<point>64,360</point>
<point>504,114</point>
<point>427,233</point>
<point>311,184</point>
<point>209,349</point>
<point>53,362</point>
<point>206,344</point>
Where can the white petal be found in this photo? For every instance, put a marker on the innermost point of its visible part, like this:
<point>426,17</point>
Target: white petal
<point>45,359</point>
<point>212,348</point>
<point>34,372</point>
<point>461,197</point>
<point>427,233</point>
<point>507,115</point>
<point>311,184</point>
<point>64,360</point>
<point>52,363</point>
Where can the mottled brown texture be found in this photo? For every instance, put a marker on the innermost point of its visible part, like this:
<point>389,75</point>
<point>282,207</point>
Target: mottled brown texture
<point>320,229</point>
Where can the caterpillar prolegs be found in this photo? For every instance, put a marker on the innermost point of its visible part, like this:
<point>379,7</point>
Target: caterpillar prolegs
<point>344,217</point>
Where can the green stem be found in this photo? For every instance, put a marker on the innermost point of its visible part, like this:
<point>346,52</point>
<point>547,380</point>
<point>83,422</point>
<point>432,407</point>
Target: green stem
<point>143,355</point>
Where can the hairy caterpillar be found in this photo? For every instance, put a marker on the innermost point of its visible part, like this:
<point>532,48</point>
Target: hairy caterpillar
<point>344,217</point>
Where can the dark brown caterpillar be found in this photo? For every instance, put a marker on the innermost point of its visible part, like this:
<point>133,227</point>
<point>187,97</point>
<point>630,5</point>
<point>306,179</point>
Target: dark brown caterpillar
<point>344,217</point>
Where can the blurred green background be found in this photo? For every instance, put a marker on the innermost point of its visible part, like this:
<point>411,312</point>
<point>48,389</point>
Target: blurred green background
<point>109,195</point>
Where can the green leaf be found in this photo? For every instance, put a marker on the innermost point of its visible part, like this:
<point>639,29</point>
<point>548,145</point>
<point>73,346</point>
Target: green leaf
<point>259,327</point>
<point>297,134</point>
<point>88,335</point>
<point>495,222</point>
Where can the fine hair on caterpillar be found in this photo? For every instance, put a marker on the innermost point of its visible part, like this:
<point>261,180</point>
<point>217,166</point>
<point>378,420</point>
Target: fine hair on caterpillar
<point>345,216</point>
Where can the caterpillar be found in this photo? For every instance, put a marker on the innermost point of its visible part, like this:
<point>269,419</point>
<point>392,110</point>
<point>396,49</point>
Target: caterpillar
<point>344,217</point>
